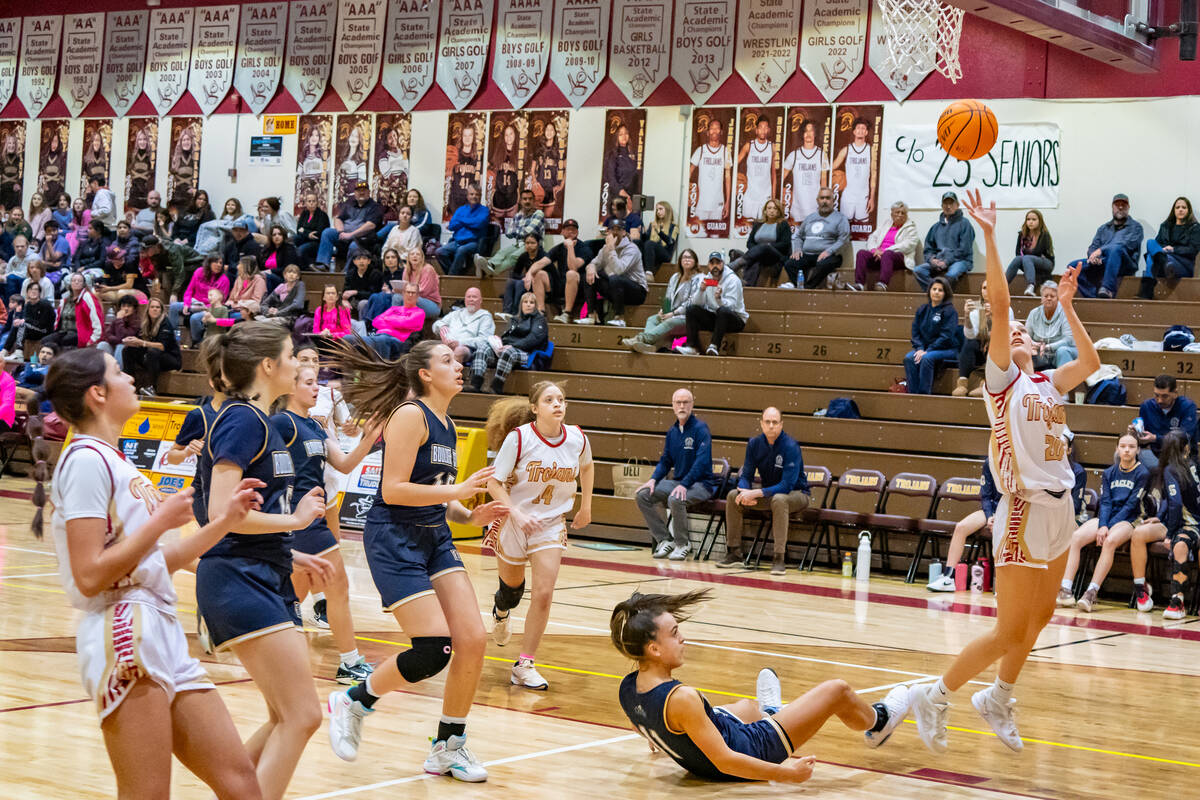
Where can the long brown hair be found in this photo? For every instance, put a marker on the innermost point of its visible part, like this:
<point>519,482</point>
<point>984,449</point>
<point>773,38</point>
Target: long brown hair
<point>150,327</point>
<point>1043,233</point>
<point>375,385</point>
<point>509,413</point>
<point>632,625</point>
<point>239,351</point>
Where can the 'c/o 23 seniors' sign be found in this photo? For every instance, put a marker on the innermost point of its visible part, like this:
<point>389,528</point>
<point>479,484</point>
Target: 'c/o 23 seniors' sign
<point>1023,169</point>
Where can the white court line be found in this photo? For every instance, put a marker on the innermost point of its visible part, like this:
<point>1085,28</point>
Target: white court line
<point>27,550</point>
<point>32,575</point>
<point>511,759</point>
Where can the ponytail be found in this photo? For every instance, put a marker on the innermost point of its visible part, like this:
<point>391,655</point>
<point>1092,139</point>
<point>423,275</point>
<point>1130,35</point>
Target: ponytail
<point>509,413</point>
<point>633,624</point>
<point>40,451</point>
<point>238,352</point>
<point>374,386</point>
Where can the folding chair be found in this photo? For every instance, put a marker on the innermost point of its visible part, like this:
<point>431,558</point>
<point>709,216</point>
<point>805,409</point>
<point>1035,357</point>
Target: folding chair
<point>866,487</point>
<point>957,495</point>
<point>819,478</point>
<point>911,491</point>
<point>714,507</point>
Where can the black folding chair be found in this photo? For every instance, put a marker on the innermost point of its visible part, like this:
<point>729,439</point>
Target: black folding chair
<point>865,486</point>
<point>955,499</point>
<point>910,492</point>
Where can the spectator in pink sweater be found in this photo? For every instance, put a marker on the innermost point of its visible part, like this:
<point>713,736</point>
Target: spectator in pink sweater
<point>332,317</point>
<point>401,322</point>
<point>419,271</point>
<point>248,290</point>
<point>8,402</point>
<point>209,275</point>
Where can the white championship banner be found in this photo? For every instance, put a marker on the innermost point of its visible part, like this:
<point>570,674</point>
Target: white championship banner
<point>260,53</point>
<point>463,48</point>
<point>358,50</point>
<point>639,53</point>
<point>214,47</point>
<point>702,56</point>
<point>522,47</point>
<point>580,57</point>
<point>900,83</point>
<point>410,49</point>
<point>833,42</point>
<point>309,50</point>
<point>168,57</point>
<point>10,39</point>
<point>83,43</point>
<point>124,58</point>
<point>39,62</point>
<point>768,40</point>
<point>1023,170</point>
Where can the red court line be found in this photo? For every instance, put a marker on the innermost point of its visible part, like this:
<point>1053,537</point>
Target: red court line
<point>91,700</point>
<point>16,495</point>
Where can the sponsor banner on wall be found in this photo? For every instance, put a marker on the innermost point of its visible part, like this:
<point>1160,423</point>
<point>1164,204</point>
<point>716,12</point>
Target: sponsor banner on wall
<point>580,58</point>
<point>183,168</point>
<point>352,145</point>
<point>141,154</point>
<point>710,172</point>
<point>507,163</point>
<point>640,47</point>
<point>12,162</point>
<point>357,51</point>
<point>702,56</point>
<point>834,40</point>
<point>312,160</point>
<point>52,160</point>
<point>1023,169</point>
<point>463,48</point>
<point>522,48</point>
<point>309,50</point>
<point>97,153</point>
<point>900,82</point>
<point>393,140</point>
<point>624,150</point>
<point>768,40</point>
<point>857,140</point>
<point>83,42</point>
<point>548,163</point>
<point>410,49</point>
<point>260,53</point>
<point>806,159</point>
<point>466,134</point>
<point>169,56</point>
<point>39,62</point>
<point>124,58</point>
<point>214,47</point>
<point>759,157</point>
<point>10,41</point>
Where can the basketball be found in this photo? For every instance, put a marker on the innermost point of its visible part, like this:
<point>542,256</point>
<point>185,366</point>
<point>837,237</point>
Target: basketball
<point>967,129</point>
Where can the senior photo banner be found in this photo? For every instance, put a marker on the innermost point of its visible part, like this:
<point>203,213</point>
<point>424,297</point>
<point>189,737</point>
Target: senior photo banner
<point>710,172</point>
<point>507,163</point>
<point>260,53</point>
<point>1023,169</point>
<point>393,138</point>
<point>39,62</point>
<point>183,169</point>
<point>83,44</point>
<point>580,57</point>
<point>357,52</point>
<point>10,40</point>
<point>834,38</point>
<point>214,48</point>
<point>466,134</point>
<point>12,162</point>
<point>522,48</point>
<point>52,160</point>
<point>806,160</point>
<point>640,47</point>
<point>463,48</point>
<point>759,157</point>
<point>857,140</point>
<point>624,149</point>
<point>124,58</point>
<point>309,50</point>
<point>410,49</point>
<point>169,57</point>
<point>768,40</point>
<point>141,156</point>
<point>97,153</point>
<point>548,163</point>
<point>351,146</point>
<point>312,159</point>
<point>702,55</point>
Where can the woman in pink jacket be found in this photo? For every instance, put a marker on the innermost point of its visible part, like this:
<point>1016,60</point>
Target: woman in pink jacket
<point>8,402</point>
<point>332,318</point>
<point>401,322</point>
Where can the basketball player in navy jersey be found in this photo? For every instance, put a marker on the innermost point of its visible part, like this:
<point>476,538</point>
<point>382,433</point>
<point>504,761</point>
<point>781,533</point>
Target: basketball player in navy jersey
<point>413,561</point>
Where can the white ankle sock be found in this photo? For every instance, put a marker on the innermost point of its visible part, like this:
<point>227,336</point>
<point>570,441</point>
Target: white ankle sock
<point>351,658</point>
<point>1093,587</point>
<point>1139,581</point>
<point>318,597</point>
<point>940,692</point>
<point>1002,691</point>
<point>1066,585</point>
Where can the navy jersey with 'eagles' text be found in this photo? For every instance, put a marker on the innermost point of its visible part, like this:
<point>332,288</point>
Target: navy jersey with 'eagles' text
<point>436,464</point>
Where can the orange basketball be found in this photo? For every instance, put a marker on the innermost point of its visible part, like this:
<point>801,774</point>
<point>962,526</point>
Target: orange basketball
<point>967,129</point>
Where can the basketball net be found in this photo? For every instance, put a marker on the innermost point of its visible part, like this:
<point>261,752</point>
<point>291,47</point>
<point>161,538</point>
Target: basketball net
<point>922,35</point>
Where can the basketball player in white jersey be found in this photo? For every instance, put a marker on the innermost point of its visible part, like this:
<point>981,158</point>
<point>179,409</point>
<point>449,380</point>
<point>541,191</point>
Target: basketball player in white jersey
<point>1032,528</point>
<point>858,199</point>
<point>757,158</point>
<point>711,168</point>
<point>808,167</point>
<point>537,467</point>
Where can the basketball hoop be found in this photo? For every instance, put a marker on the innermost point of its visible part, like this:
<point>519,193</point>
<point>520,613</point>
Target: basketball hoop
<point>922,35</point>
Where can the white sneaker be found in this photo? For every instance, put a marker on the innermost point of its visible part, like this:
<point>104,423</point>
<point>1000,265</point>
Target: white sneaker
<point>663,549</point>
<point>202,635</point>
<point>680,553</point>
<point>1144,600</point>
<point>684,350</point>
<point>591,319</point>
<point>501,629</point>
<point>712,351</point>
<point>17,356</point>
<point>896,703</point>
<point>1000,716</point>
<point>768,692</point>
<point>345,724</point>
<point>526,675</point>
<point>1065,599</point>
<point>503,316</point>
<point>482,267</point>
<point>930,715</point>
<point>1029,292</point>
<point>452,757</point>
<point>616,322</point>
<point>942,583</point>
<point>563,318</point>
<point>643,348</point>
<point>787,285</point>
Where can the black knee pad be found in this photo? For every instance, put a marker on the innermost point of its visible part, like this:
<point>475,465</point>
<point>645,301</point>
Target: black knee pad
<point>428,656</point>
<point>508,596</point>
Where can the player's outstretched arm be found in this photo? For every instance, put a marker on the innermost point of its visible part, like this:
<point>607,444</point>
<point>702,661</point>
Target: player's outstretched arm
<point>1073,373</point>
<point>985,217</point>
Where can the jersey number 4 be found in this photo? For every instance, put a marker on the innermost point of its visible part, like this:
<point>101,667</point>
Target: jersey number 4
<point>545,498</point>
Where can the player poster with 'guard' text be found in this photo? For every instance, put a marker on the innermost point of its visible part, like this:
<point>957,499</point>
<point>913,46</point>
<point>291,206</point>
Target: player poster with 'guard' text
<point>857,137</point>
<point>759,157</point>
<point>710,172</point>
<point>806,159</point>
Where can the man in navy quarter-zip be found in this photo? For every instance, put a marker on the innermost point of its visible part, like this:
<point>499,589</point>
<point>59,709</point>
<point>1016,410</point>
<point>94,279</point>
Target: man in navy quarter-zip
<point>687,457</point>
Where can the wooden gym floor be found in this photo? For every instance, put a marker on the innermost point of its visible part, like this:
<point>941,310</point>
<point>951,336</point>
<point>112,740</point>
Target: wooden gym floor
<point>1105,702</point>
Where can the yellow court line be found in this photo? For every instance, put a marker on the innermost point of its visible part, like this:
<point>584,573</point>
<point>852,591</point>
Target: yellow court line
<point>33,566</point>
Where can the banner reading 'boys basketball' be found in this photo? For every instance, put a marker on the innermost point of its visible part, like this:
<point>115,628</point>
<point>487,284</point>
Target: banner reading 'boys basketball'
<point>760,146</point>
<point>710,174</point>
<point>856,140</point>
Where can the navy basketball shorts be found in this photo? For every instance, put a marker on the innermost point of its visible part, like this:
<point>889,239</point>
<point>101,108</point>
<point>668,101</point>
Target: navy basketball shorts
<point>316,539</point>
<point>405,559</point>
<point>764,739</point>
<point>244,598</point>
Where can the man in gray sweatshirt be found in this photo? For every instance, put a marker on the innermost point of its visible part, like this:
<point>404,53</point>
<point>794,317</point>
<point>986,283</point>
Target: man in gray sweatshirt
<point>716,307</point>
<point>949,246</point>
<point>817,244</point>
<point>616,273</point>
<point>1053,344</point>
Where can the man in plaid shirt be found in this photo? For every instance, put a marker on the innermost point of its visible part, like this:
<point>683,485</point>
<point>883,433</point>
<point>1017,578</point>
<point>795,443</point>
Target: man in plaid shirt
<point>527,220</point>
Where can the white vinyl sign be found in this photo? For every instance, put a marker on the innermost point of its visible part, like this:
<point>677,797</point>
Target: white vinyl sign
<point>409,49</point>
<point>640,47</point>
<point>768,39</point>
<point>169,57</point>
<point>463,49</point>
<point>124,58</point>
<point>10,39</point>
<point>39,62</point>
<point>900,82</point>
<point>213,51</point>
<point>83,42</point>
<point>702,56</point>
<point>579,59</point>
<point>358,50</point>
<point>833,41</point>
<point>260,53</point>
<point>309,50</point>
<point>522,48</point>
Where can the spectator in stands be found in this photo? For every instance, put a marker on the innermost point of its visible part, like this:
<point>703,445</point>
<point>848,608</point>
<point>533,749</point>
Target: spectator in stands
<point>285,303</point>
<point>466,328</point>
<point>402,322</point>
<point>92,252</point>
<point>687,456</point>
<point>36,321</point>
<point>528,220</point>
<point>392,267</point>
<point>670,323</point>
<point>39,214</point>
<point>620,211</point>
<point>421,216</point>
<point>419,271</point>
<point>210,236</point>
<point>934,337</point>
<point>164,225</point>
<point>888,249</point>
<point>16,224</point>
<point>143,221</point>
<point>248,290</point>
<point>1176,481</point>
<point>404,236</point>
<point>63,213</point>
<point>1166,411</point>
<point>17,267</point>
<point>31,377</point>
<point>526,277</point>
<point>1112,254</point>
<point>13,321</point>
<point>37,274</point>
<point>977,332</point>
<point>125,324</point>
<point>467,227</point>
<point>976,521</point>
<point>127,243</point>
<point>658,245</point>
<point>169,262</point>
<point>767,247</point>
<point>1121,490</point>
<point>198,212</point>
<point>218,314</point>
<point>1034,255</point>
<point>1053,342</point>
<point>119,277</point>
<point>312,223</point>
<point>616,273</point>
<point>270,214</point>
<point>363,280</point>
<point>153,351</point>
<point>197,298</point>
<point>817,243</point>
<point>278,255</point>
<point>55,252</point>
<point>80,320</point>
<point>717,306</point>
<point>391,271</point>
<point>8,402</point>
<point>355,225</point>
<point>1172,252</point>
<point>242,244</point>
<point>567,257</point>
<point>332,317</point>
<point>776,459</point>
<point>527,333</point>
<point>104,202</point>
<point>6,249</point>
<point>949,245</point>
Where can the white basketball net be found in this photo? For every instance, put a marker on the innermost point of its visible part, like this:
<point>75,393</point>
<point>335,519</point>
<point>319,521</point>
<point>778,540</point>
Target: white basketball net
<point>922,35</point>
